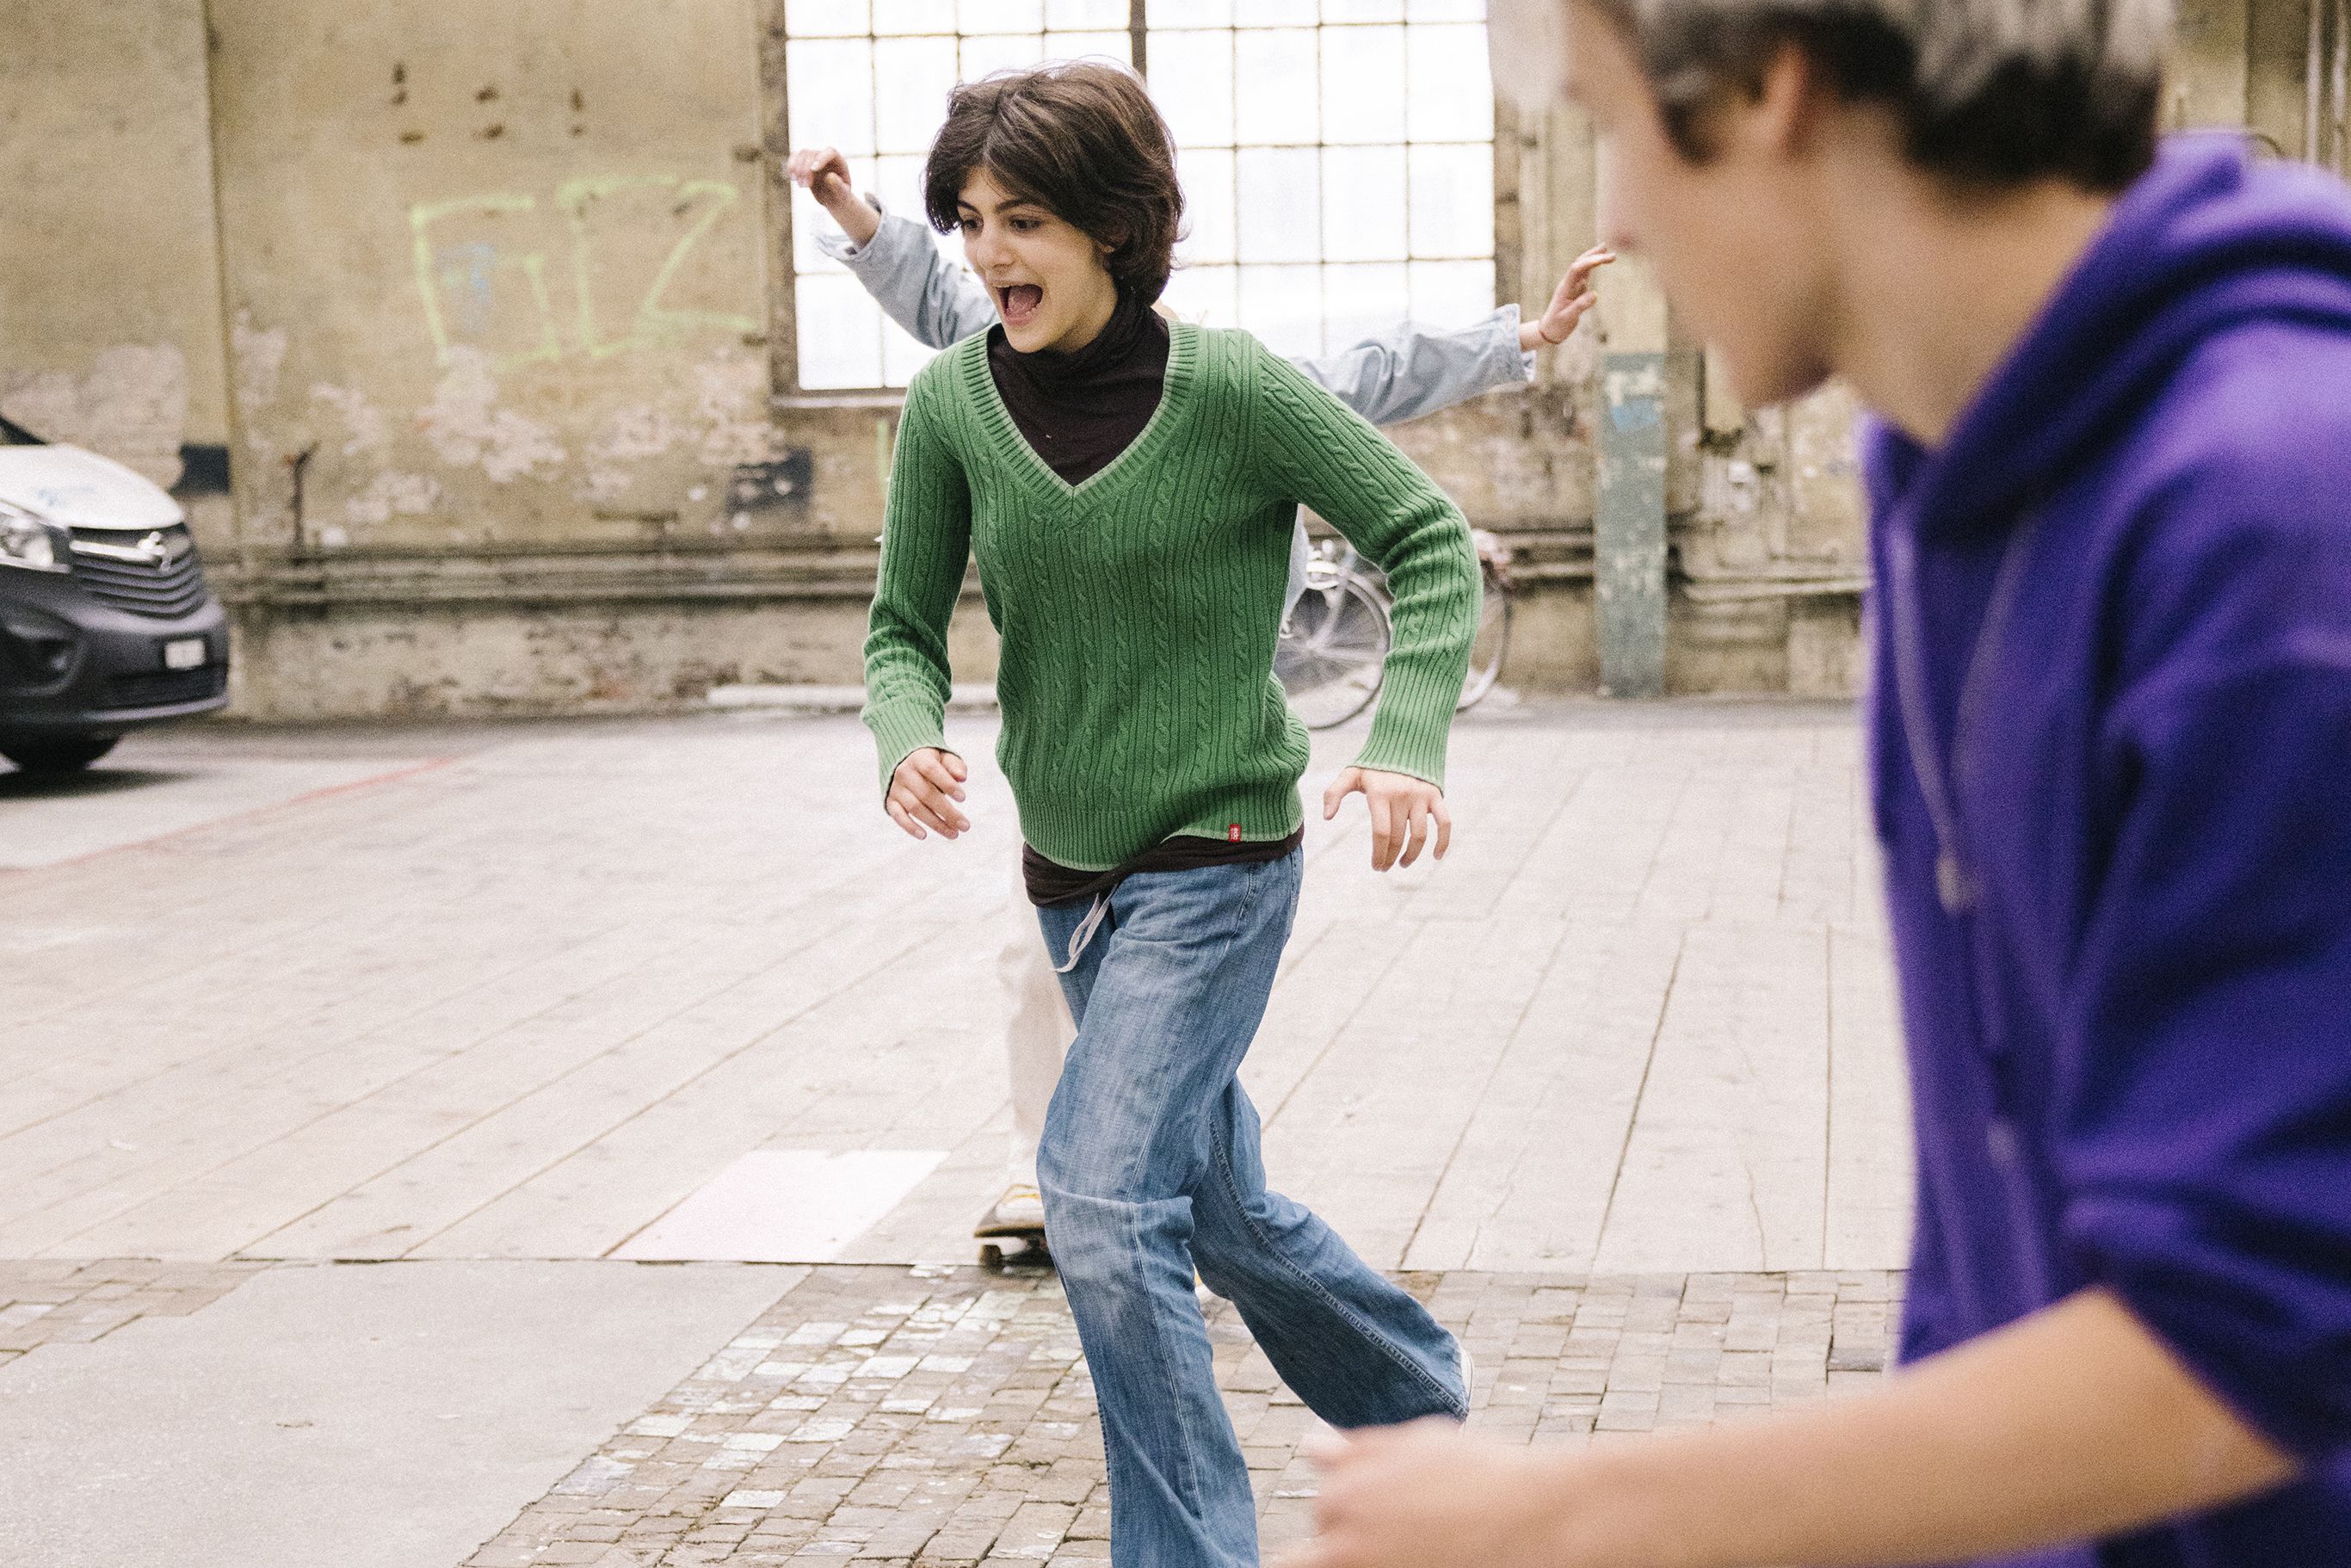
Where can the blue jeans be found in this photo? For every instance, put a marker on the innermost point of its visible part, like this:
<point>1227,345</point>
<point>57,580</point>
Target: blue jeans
<point>1150,1170</point>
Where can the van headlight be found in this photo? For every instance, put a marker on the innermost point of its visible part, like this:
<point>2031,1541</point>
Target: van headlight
<point>30,542</point>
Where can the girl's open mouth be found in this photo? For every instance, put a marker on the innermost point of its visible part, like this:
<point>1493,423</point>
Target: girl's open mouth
<point>1018,303</point>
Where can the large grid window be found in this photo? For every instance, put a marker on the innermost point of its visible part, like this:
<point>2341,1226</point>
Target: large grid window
<point>1338,169</point>
<point>1336,154</point>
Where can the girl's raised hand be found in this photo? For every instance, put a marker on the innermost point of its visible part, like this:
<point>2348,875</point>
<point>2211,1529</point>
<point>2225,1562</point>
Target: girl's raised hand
<point>923,791</point>
<point>823,173</point>
<point>1404,809</point>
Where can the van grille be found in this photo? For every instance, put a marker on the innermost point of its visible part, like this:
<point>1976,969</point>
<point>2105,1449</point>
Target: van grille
<point>166,582</point>
<point>154,688</point>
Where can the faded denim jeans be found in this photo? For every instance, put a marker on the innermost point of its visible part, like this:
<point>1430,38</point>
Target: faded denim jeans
<point>1150,1170</point>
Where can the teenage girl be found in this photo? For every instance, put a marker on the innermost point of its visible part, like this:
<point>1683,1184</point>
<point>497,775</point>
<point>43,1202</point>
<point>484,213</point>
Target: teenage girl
<point>1128,484</point>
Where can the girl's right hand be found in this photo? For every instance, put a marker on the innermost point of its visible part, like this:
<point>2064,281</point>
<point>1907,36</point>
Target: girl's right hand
<point>923,791</point>
<point>823,173</point>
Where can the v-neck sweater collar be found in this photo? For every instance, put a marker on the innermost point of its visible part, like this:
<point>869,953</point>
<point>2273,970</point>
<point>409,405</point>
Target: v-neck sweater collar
<point>1002,431</point>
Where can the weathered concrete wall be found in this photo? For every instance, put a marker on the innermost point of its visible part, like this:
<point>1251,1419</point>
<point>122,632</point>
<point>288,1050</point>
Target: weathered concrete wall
<point>495,274</point>
<point>492,269</point>
<point>503,300</point>
<point>110,310</point>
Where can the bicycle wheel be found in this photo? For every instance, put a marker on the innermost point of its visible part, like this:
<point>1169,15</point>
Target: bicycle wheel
<point>1492,643</point>
<point>1332,649</point>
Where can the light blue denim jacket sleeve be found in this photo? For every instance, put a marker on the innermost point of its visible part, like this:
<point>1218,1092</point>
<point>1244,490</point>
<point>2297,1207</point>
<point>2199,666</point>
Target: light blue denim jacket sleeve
<point>1401,374</point>
<point>938,303</point>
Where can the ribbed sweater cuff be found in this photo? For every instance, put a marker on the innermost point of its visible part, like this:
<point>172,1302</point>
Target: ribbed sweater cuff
<point>1410,728</point>
<point>901,727</point>
<point>1400,760</point>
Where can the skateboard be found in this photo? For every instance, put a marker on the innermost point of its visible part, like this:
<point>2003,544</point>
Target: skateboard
<point>1013,1247</point>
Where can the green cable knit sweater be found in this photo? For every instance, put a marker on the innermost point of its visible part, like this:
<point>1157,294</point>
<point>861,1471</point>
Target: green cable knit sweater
<point>1138,610</point>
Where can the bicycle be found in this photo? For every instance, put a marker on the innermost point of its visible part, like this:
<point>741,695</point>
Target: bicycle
<point>1334,642</point>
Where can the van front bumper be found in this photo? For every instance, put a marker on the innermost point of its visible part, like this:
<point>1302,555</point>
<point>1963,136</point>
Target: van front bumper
<point>72,664</point>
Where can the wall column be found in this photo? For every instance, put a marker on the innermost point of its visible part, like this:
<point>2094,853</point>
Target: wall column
<point>1629,525</point>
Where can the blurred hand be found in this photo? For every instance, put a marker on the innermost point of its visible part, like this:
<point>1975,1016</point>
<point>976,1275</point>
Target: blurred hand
<point>1569,301</point>
<point>1403,809</point>
<point>823,173</point>
<point>1422,1495</point>
<point>923,791</point>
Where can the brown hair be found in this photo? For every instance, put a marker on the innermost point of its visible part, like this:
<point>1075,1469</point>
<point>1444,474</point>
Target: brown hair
<point>1989,93</point>
<point>1081,140</point>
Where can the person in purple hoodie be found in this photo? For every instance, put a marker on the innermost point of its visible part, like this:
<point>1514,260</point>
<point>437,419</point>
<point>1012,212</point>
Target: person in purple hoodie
<point>2109,471</point>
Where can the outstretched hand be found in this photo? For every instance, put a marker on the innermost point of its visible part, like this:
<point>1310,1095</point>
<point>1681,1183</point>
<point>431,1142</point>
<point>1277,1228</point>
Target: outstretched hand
<point>923,791</point>
<point>1423,1495</point>
<point>1403,811</point>
<point>823,173</point>
<point>1569,301</point>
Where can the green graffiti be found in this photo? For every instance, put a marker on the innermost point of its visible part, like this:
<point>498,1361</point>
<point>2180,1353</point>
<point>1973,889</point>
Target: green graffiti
<point>465,273</point>
<point>653,325</point>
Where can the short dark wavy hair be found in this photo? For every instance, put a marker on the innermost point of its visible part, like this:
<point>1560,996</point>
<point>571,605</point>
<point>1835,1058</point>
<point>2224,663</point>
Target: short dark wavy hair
<point>1989,93</point>
<point>1080,139</point>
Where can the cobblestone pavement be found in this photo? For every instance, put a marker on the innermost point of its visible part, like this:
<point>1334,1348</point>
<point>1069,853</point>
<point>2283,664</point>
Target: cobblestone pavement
<point>45,1301</point>
<point>936,1416</point>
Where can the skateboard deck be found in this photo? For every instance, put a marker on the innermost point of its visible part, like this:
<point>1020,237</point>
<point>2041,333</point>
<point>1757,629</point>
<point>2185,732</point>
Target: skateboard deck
<point>1014,1247</point>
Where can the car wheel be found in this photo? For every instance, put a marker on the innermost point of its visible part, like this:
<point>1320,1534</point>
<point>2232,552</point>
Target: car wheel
<point>55,752</point>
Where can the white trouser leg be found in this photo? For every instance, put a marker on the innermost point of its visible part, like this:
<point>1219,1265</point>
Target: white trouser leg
<point>1036,1032</point>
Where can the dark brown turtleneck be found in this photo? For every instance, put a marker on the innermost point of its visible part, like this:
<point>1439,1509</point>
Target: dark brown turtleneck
<point>1080,411</point>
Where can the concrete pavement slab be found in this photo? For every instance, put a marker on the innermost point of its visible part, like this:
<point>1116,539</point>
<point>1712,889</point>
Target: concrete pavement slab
<point>46,820</point>
<point>526,1003</point>
<point>387,1417</point>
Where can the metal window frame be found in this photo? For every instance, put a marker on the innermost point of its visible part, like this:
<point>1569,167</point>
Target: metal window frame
<point>783,285</point>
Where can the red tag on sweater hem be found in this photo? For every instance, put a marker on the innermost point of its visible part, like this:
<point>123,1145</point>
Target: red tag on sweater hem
<point>1233,834</point>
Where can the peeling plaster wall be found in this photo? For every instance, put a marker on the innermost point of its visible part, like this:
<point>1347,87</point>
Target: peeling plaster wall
<point>493,356</point>
<point>419,660</point>
<point>110,312</point>
<point>496,270</point>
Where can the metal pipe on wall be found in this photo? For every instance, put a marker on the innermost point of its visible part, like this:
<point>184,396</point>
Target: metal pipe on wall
<point>2339,138</point>
<point>2311,78</point>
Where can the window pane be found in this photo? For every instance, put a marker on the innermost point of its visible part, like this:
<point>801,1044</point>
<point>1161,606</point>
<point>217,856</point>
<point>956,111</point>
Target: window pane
<point>832,86</point>
<point>1364,204</point>
<point>899,182</point>
<point>1452,293</point>
<point>911,80</point>
<point>902,16</point>
<point>1453,201</point>
<point>1283,306</point>
<point>841,334</point>
<point>1116,47</point>
<point>1208,176</point>
<point>1277,201</point>
<point>1363,84</point>
<point>1273,86</point>
<point>1445,10</point>
<point>1363,301</point>
<point>1192,81</point>
<point>1012,51</point>
<point>1204,296</point>
<point>1107,15</point>
<point>834,18</point>
<point>1363,10</point>
<point>901,355</point>
<point>1274,14</point>
<point>1000,16</point>
<point>1451,91</point>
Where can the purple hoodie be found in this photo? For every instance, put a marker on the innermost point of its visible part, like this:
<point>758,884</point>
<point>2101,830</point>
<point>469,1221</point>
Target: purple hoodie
<point>2111,764</point>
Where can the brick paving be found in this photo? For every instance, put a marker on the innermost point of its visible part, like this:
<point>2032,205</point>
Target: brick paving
<point>934,1415</point>
<point>48,1300</point>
